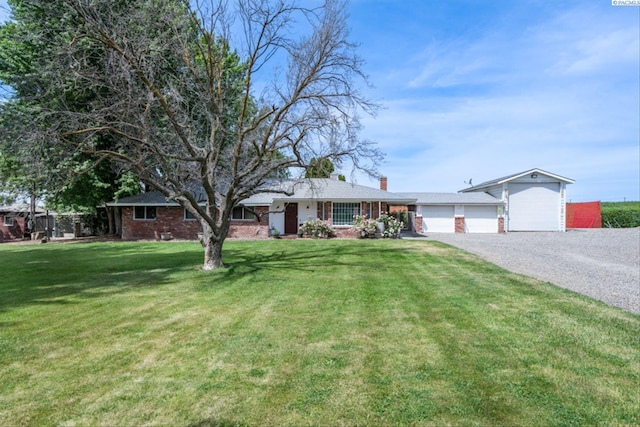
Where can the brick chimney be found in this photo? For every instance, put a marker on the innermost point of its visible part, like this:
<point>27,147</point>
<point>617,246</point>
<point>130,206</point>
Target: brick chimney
<point>383,183</point>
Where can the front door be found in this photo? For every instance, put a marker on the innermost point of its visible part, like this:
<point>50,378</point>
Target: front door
<point>291,219</point>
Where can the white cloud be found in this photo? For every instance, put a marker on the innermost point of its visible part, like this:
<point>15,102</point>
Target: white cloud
<point>560,94</point>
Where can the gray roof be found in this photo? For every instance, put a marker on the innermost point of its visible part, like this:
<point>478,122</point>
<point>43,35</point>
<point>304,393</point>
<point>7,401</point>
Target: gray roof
<point>453,198</point>
<point>516,176</point>
<point>150,198</point>
<point>314,188</point>
<point>327,189</point>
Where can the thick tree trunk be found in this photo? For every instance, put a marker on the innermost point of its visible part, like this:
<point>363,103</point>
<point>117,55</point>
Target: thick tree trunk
<point>110,220</point>
<point>213,254</point>
<point>117,221</point>
<point>212,243</point>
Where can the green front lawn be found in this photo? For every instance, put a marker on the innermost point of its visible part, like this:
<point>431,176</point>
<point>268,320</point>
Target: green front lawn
<point>302,332</point>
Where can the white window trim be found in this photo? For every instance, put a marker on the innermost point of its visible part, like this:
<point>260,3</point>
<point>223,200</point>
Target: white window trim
<point>8,221</point>
<point>244,211</point>
<point>145,213</point>
<point>186,212</point>
<point>333,213</point>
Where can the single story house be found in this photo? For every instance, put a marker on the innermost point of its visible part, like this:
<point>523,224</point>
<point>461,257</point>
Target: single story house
<point>534,200</point>
<point>13,222</point>
<point>148,215</point>
<point>456,212</point>
<point>16,225</point>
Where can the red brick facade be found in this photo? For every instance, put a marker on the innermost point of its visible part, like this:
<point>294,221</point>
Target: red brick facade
<point>383,183</point>
<point>12,232</point>
<point>418,226</point>
<point>460,224</point>
<point>501,224</point>
<point>171,220</point>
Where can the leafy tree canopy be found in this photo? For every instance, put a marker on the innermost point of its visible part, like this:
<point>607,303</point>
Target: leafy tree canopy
<point>193,97</point>
<point>319,168</point>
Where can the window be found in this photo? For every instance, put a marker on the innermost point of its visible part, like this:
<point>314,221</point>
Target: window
<point>322,210</point>
<point>368,210</point>
<point>144,212</point>
<point>8,221</point>
<point>343,213</point>
<point>242,213</point>
<point>188,216</point>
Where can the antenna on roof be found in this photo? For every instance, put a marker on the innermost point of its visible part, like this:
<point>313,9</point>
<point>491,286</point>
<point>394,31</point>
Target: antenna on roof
<point>469,182</point>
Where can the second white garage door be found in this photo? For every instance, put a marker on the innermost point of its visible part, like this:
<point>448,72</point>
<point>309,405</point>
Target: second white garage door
<point>481,219</point>
<point>438,219</point>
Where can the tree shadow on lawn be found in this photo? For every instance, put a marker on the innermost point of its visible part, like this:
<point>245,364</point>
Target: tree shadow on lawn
<point>54,274</point>
<point>212,422</point>
<point>59,275</point>
<point>310,259</point>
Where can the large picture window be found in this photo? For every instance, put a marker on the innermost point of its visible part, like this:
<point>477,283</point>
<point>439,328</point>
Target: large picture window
<point>242,213</point>
<point>144,212</point>
<point>343,213</point>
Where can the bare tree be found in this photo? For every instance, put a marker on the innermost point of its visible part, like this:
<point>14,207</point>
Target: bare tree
<point>198,104</point>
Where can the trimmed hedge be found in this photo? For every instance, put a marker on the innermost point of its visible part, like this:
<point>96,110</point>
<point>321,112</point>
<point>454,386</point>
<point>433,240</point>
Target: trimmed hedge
<point>620,214</point>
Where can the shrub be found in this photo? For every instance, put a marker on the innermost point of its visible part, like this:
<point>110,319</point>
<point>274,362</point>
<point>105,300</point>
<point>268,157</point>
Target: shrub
<point>621,215</point>
<point>316,228</point>
<point>402,217</point>
<point>392,226</point>
<point>364,227</point>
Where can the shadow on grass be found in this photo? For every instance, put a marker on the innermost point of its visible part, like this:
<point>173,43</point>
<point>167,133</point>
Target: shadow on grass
<point>56,273</point>
<point>52,274</point>
<point>216,423</point>
<point>312,258</point>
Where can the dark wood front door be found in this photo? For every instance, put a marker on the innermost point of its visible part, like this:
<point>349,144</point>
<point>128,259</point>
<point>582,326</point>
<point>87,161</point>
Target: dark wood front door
<point>291,219</point>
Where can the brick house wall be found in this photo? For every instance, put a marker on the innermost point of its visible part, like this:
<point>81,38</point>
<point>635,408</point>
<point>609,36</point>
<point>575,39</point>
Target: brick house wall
<point>460,224</point>
<point>376,209</point>
<point>501,224</point>
<point>171,219</point>
<point>251,229</point>
<point>418,225</point>
<point>12,232</point>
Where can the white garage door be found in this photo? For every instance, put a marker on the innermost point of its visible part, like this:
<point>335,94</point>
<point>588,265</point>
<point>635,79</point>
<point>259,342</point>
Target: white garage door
<point>438,219</point>
<point>534,207</point>
<point>481,219</point>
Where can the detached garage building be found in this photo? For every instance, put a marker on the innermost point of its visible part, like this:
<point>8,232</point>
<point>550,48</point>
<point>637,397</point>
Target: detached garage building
<point>456,212</point>
<point>534,200</point>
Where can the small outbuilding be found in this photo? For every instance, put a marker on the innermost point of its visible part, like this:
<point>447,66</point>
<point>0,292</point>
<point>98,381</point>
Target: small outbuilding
<point>534,200</point>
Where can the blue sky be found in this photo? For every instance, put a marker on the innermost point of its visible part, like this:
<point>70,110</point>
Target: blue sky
<point>482,89</point>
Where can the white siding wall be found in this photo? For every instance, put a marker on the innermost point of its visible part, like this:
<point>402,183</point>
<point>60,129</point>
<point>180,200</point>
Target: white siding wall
<point>276,220</point>
<point>307,210</point>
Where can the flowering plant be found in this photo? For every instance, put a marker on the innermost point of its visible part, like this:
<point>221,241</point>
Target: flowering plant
<point>316,228</point>
<point>392,226</point>
<point>363,226</point>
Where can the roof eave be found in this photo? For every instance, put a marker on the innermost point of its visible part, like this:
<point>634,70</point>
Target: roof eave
<point>539,171</point>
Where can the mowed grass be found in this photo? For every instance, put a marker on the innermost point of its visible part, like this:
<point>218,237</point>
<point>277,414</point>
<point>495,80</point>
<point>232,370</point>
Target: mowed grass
<point>305,332</point>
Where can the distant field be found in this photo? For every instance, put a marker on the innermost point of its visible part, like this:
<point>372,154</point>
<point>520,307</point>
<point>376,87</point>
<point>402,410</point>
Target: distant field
<point>302,332</point>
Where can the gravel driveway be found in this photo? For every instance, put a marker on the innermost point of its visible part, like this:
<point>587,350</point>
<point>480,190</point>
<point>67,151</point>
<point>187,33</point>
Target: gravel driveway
<point>601,263</point>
